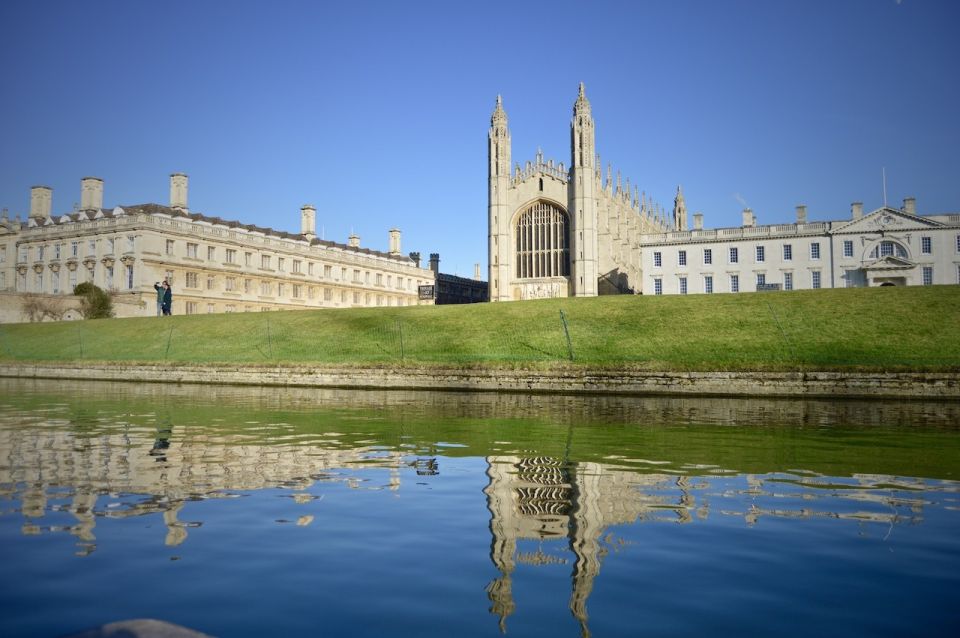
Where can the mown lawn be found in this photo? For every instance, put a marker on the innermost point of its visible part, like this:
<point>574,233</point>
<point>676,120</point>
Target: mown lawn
<point>860,328</point>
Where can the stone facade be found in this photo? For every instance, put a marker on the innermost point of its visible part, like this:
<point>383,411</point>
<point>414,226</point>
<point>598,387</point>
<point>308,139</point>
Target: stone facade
<point>557,232</point>
<point>214,265</point>
<point>886,247</point>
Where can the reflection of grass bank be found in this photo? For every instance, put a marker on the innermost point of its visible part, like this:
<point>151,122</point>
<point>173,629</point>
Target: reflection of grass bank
<point>649,435</point>
<point>843,329</point>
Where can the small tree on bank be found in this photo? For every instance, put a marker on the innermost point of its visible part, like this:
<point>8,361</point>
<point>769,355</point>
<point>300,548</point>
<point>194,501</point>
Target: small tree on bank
<point>95,303</point>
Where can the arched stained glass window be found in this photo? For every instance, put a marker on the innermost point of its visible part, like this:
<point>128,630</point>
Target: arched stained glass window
<point>542,242</point>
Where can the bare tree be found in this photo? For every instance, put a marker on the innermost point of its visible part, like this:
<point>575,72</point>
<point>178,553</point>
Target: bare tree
<point>40,307</point>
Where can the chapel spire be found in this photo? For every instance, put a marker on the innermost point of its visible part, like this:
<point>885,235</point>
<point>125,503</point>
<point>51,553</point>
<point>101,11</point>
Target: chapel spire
<point>679,211</point>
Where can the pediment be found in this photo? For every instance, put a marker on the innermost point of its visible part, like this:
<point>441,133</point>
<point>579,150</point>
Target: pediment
<point>890,262</point>
<point>887,220</point>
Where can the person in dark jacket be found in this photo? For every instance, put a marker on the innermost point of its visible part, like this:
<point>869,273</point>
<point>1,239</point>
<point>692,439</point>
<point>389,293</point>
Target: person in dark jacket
<point>167,298</point>
<point>160,293</point>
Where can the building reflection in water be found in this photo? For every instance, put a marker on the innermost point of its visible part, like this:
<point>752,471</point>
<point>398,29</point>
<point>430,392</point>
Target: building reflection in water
<point>543,498</point>
<point>129,474</point>
<point>102,464</point>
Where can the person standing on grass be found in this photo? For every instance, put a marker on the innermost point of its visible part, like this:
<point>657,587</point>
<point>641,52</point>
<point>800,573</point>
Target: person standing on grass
<point>159,289</point>
<point>167,299</point>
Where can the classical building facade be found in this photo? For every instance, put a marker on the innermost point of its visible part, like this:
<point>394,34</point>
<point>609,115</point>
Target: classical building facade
<point>214,265</point>
<point>887,247</point>
<point>556,232</point>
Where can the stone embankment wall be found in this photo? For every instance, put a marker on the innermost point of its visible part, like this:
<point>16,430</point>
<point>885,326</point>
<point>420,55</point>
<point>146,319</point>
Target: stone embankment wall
<point>790,384</point>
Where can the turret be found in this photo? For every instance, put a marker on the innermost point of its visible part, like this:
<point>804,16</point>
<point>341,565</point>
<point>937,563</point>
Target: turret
<point>582,203</point>
<point>91,193</point>
<point>394,241</point>
<point>856,210</point>
<point>498,212</point>
<point>435,263</point>
<point>178,191</point>
<point>41,200</point>
<point>308,222</point>
<point>679,211</point>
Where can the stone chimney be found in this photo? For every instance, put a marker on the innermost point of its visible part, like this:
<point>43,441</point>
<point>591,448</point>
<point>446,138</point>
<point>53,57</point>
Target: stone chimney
<point>801,214</point>
<point>698,221</point>
<point>435,263</point>
<point>394,241</point>
<point>476,272</point>
<point>748,219</point>
<point>856,210</point>
<point>91,193</point>
<point>41,199</point>
<point>308,222</point>
<point>415,258</point>
<point>910,205</point>
<point>178,191</point>
<point>353,240</point>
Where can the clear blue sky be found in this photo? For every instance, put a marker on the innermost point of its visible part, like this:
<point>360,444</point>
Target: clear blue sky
<point>377,112</point>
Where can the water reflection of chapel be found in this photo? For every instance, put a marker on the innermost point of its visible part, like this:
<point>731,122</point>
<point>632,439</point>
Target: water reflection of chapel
<point>545,498</point>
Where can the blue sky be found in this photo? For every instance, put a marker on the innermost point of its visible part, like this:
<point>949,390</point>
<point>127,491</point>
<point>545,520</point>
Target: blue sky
<point>377,112</point>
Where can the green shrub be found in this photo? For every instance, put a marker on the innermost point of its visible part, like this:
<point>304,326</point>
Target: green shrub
<point>95,302</point>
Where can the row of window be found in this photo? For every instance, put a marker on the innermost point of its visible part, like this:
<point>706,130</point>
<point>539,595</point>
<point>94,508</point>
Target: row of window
<point>52,281</point>
<point>761,281</point>
<point>266,288</point>
<point>885,248</point>
<point>815,282</point>
<point>194,307</point>
<point>323,271</point>
<point>62,250</point>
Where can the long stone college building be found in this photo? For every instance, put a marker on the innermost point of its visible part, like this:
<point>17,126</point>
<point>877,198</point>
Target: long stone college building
<point>555,232</point>
<point>214,265</point>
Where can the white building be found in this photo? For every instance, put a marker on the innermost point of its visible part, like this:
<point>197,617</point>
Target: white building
<point>557,232</point>
<point>214,265</point>
<point>887,247</point>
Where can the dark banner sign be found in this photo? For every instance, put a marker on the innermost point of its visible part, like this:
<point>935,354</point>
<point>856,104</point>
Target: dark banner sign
<point>426,292</point>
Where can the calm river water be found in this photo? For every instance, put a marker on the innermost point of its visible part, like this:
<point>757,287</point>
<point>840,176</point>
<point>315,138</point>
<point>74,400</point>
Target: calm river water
<point>256,512</point>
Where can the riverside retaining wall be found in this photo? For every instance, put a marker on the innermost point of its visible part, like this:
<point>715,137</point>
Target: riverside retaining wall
<point>917,385</point>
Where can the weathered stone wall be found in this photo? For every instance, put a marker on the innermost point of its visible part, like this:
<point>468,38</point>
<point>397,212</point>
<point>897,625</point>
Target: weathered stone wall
<point>787,384</point>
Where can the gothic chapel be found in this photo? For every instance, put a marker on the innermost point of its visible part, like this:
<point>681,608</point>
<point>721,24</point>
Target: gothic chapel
<point>561,233</point>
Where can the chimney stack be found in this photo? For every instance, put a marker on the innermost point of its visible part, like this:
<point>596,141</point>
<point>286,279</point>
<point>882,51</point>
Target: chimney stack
<point>394,241</point>
<point>91,193</point>
<point>415,258</point>
<point>910,205</point>
<point>856,210</point>
<point>698,221</point>
<point>435,263</point>
<point>178,191</point>
<point>41,199</point>
<point>801,214</point>
<point>308,222</point>
<point>476,272</point>
<point>747,218</point>
<point>353,240</point>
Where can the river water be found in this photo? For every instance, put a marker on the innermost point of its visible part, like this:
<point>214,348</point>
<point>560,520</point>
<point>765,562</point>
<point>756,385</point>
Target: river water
<point>305,512</point>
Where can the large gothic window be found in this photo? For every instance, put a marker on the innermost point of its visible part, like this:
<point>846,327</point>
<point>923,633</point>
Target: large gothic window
<point>542,242</point>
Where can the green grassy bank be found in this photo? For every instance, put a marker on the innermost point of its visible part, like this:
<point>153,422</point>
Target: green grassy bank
<point>890,328</point>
